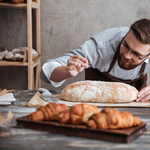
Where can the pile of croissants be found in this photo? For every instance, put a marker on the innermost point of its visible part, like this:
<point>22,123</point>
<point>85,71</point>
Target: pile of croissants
<point>90,115</point>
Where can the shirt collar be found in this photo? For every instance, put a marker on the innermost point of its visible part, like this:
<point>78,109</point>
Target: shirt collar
<point>146,60</point>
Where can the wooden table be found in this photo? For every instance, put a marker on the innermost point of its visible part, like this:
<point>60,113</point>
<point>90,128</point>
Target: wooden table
<point>14,137</point>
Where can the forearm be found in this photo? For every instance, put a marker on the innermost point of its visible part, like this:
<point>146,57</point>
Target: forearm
<point>59,74</point>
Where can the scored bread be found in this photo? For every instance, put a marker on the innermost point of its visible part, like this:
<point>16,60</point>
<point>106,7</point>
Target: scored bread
<point>99,91</point>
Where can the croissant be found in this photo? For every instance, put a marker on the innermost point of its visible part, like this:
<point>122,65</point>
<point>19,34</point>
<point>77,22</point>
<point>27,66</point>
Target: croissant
<point>48,112</point>
<point>77,114</point>
<point>111,118</point>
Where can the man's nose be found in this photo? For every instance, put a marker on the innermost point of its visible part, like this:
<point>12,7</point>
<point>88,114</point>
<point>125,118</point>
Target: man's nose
<point>128,54</point>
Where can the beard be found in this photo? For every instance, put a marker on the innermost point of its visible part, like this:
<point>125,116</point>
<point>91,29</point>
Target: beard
<point>126,66</point>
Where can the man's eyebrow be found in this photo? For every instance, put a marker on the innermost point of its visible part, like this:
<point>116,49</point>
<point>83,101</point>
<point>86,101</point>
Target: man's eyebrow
<point>126,43</point>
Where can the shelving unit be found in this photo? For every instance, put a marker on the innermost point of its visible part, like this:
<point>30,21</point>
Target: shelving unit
<point>33,83</point>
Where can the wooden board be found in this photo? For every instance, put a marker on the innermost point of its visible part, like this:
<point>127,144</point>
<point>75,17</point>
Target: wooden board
<point>129,104</point>
<point>121,135</point>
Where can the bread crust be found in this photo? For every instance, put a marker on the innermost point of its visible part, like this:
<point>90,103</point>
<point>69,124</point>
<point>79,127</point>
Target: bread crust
<point>111,118</point>
<point>99,91</point>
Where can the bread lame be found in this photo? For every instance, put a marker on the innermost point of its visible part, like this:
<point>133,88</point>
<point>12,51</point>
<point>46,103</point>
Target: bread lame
<point>47,96</point>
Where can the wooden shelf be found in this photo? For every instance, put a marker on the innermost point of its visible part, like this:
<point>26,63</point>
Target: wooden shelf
<point>33,84</point>
<point>34,5</point>
<point>15,63</point>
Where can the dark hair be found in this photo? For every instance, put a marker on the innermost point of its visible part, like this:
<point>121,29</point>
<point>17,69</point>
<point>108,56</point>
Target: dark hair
<point>141,30</point>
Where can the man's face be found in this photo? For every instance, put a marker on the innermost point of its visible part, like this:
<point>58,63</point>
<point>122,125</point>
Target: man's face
<point>128,50</point>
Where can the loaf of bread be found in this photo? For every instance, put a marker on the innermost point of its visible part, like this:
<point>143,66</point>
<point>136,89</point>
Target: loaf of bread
<point>111,118</point>
<point>98,91</point>
<point>16,1</point>
<point>48,112</point>
<point>20,54</point>
<point>3,52</point>
<point>77,114</point>
<point>34,53</point>
<point>16,55</point>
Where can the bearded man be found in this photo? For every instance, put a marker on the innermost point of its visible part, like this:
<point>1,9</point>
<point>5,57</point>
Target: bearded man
<point>115,55</point>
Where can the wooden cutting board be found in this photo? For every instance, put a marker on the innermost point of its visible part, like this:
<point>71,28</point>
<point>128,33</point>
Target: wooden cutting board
<point>129,104</point>
<point>120,135</point>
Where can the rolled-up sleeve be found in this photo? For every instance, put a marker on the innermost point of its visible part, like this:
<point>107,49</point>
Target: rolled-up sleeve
<point>47,70</point>
<point>87,50</point>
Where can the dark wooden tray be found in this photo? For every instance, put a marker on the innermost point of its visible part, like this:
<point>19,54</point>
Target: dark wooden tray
<point>120,135</point>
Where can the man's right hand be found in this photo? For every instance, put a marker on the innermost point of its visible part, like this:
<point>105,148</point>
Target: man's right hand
<point>76,64</point>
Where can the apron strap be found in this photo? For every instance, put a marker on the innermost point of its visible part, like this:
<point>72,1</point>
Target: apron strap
<point>142,69</point>
<point>114,60</point>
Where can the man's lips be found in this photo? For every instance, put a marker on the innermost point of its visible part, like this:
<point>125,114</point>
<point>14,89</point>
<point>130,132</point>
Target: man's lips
<point>125,60</point>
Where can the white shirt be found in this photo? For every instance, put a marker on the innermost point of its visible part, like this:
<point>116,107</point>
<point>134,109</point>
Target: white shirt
<point>99,50</point>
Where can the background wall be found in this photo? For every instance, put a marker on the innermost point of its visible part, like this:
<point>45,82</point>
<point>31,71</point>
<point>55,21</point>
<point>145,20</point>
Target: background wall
<point>65,25</point>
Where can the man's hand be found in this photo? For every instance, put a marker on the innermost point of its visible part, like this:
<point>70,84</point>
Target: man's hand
<point>144,95</point>
<point>76,64</point>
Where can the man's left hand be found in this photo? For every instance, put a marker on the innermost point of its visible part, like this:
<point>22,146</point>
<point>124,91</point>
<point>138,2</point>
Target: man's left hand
<point>144,95</point>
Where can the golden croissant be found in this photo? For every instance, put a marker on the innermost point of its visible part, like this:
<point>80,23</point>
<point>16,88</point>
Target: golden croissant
<point>77,114</point>
<point>111,118</point>
<point>48,112</point>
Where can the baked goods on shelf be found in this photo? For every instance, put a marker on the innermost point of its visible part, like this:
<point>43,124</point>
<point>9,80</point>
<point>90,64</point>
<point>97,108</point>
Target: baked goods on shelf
<point>111,118</point>
<point>34,53</point>
<point>77,114</point>
<point>3,52</point>
<point>20,54</point>
<point>16,55</point>
<point>16,1</point>
<point>99,91</point>
<point>48,112</point>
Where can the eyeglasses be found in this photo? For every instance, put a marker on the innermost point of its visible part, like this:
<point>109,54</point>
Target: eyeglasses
<point>134,55</point>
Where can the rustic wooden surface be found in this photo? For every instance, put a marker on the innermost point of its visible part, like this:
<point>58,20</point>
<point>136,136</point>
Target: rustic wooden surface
<point>13,137</point>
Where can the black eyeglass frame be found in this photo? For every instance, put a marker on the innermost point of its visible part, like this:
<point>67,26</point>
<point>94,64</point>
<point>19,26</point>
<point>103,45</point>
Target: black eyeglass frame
<point>133,52</point>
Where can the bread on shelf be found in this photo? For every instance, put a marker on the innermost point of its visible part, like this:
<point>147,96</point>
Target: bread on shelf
<point>34,53</point>
<point>20,54</point>
<point>16,55</point>
<point>16,1</point>
<point>3,52</point>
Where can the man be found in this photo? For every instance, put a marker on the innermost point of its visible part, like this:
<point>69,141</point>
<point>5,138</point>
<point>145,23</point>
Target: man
<point>117,54</point>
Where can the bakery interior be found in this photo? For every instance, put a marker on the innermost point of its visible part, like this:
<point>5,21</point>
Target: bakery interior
<point>63,26</point>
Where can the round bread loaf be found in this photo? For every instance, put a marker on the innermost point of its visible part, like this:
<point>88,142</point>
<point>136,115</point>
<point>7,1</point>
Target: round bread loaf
<point>3,52</point>
<point>98,91</point>
<point>20,54</point>
<point>34,53</point>
<point>15,55</point>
